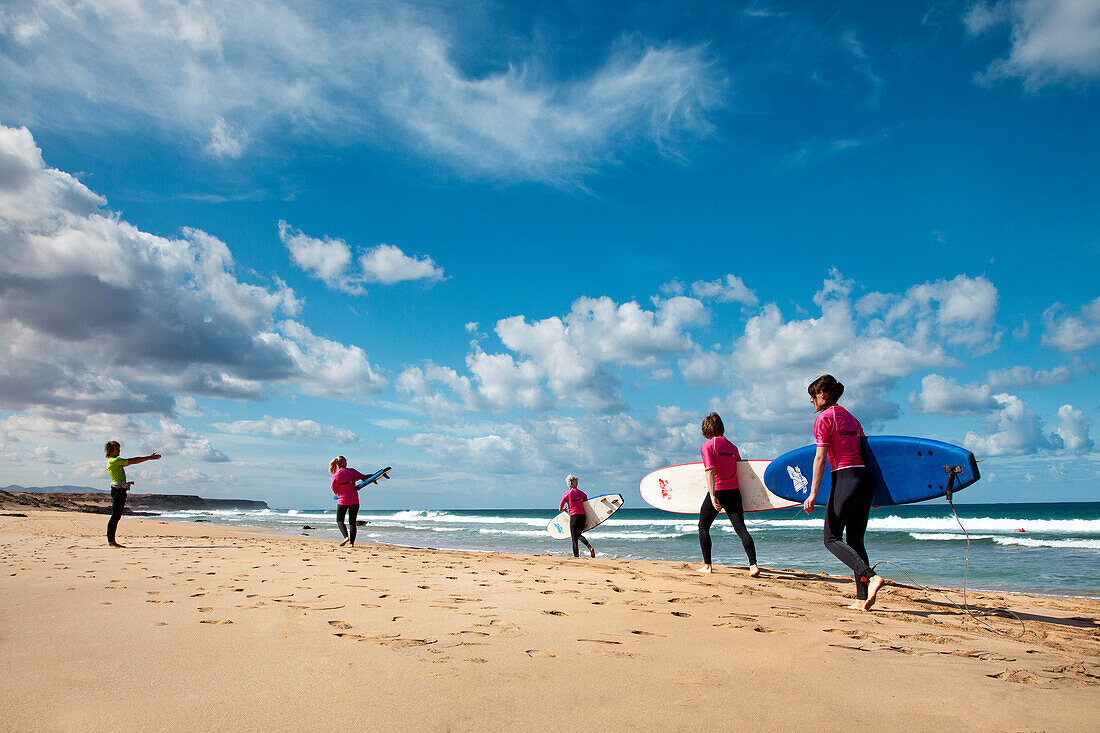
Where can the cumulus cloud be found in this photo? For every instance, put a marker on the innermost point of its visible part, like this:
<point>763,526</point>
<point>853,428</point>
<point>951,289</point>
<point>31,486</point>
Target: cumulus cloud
<point>99,316</point>
<point>1017,430</point>
<point>606,451</point>
<point>960,311</point>
<point>1072,434</point>
<point>211,71</point>
<point>1051,41</point>
<point>329,260</point>
<point>1067,331</point>
<point>286,428</point>
<point>942,396</point>
<point>569,358</point>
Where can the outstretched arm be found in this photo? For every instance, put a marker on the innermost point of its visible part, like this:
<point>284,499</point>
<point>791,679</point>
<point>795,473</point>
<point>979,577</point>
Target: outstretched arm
<point>142,459</point>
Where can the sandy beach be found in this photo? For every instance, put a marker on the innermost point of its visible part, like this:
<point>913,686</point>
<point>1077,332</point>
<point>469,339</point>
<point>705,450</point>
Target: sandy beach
<point>200,628</point>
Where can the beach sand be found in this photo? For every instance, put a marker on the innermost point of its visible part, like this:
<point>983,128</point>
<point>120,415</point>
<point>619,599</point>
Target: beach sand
<point>193,627</point>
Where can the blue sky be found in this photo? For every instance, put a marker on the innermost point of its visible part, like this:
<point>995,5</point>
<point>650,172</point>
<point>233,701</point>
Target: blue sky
<point>491,244</point>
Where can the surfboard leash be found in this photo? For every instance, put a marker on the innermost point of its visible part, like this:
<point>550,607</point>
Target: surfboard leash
<point>965,608</point>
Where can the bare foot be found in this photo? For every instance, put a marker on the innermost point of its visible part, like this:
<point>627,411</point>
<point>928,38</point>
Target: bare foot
<point>592,550</point>
<point>754,572</point>
<point>705,570</point>
<point>115,544</point>
<point>344,542</point>
<point>873,585</point>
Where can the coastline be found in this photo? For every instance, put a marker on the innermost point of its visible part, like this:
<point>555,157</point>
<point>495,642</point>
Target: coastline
<point>194,626</point>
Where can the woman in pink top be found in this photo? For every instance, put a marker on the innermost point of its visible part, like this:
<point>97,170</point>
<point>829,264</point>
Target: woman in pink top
<point>574,498</point>
<point>347,496</point>
<point>838,436</point>
<point>720,459</point>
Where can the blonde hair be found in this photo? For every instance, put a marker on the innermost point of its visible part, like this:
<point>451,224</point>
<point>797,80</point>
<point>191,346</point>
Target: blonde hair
<point>110,446</point>
<point>571,479</point>
<point>337,462</point>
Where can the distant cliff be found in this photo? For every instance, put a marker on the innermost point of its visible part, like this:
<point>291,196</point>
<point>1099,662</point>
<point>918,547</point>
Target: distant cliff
<point>100,503</point>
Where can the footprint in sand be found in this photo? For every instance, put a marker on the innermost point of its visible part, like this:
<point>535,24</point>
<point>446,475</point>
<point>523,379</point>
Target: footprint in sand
<point>539,654</point>
<point>339,624</point>
<point>215,621</point>
<point>681,614</point>
<point>555,613</point>
<point>204,609</point>
<point>646,633</point>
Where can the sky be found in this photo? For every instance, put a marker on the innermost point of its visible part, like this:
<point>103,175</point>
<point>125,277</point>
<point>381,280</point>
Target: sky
<point>494,243</point>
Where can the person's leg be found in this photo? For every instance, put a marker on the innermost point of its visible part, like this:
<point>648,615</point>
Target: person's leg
<point>731,502</point>
<point>591,549</point>
<point>118,501</point>
<point>576,525</point>
<point>707,513</point>
<point>353,512</point>
<point>341,511</point>
<point>848,506</point>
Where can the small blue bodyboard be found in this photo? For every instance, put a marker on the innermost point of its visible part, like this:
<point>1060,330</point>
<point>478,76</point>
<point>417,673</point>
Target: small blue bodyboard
<point>373,479</point>
<point>903,470</point>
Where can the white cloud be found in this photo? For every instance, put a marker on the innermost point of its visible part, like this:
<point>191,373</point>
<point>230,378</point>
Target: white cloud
<point>175,440</point>
<point>1024,377</point>
<point>371,72</point>
<point>387,264</point>
<point>1072,331</point>
<point>942,396</point>
<point>225,140</point>
<point>330,261</point>
<point>288,429</point>
<point>730,289</point>
<point>961,311</point>
<point>1014,431</point>
<point>1072,434</point>
<point>1052,41</point>
<point>326,259</point>
<point>99,316</point>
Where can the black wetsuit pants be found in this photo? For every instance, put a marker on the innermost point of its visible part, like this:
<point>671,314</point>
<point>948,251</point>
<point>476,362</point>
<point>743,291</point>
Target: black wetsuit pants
<point>846,521</point>
<point>730,499</point>
<point>576,526</point>
<point>351,512</point>
<point>118,501</point>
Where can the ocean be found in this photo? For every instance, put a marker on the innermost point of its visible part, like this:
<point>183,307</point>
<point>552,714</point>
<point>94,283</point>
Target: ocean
<point>1051,549</point>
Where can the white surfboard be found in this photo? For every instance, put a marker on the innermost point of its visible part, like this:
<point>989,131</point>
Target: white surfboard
<point>596,510</point>
<point>681,488</point>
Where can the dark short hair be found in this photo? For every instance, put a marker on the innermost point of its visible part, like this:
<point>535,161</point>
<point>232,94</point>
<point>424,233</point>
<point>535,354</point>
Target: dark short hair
<point>110,446</point>
<point>828,385</point>
<point>712,426</point>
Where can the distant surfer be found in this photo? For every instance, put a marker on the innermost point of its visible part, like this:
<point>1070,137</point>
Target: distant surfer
<point>720,459</point>
<point>574,499</point>
<point>838,437</point>
<point>347,496</point>
<point>116,469</point>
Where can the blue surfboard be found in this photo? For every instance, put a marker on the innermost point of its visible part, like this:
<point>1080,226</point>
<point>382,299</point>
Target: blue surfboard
<point>384,473</point>
<point>903,470</point>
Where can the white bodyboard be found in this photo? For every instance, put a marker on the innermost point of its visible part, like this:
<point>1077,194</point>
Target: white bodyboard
<point>596,510</point>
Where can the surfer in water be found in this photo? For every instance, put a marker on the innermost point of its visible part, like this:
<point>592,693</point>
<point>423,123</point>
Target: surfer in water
<point>720,459</point>
<point>347,496</point>
<point>574,498</point>
<point>116,469</point>
<point>838,437</point>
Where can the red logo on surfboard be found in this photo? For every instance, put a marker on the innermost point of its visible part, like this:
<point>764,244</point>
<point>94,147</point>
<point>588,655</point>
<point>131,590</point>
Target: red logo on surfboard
<point>665,493</point>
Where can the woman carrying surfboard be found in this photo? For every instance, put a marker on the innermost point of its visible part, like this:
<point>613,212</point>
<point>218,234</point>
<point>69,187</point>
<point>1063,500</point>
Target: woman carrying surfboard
<point>347,496</point>
<point>720,459</point>
<point>838,437</point>
<point>574,498</point>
